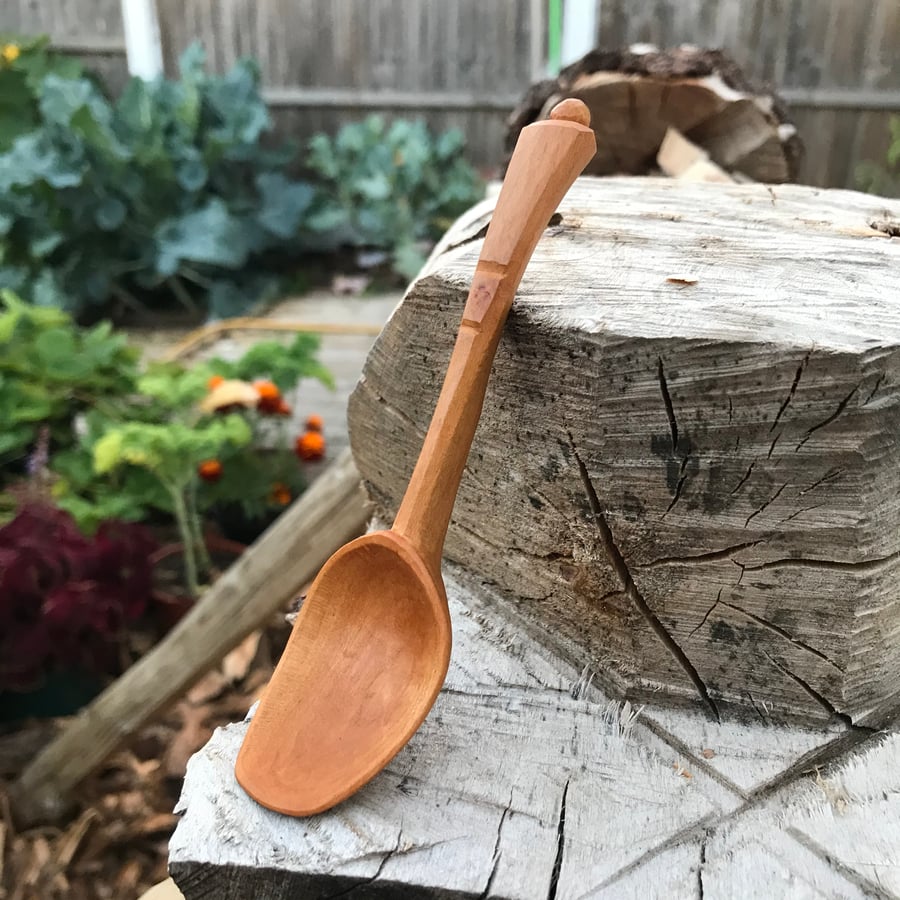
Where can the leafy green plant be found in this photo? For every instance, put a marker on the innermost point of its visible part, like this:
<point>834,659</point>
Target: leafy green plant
<point>50,371</point>
<point>875,178</point>
<point>165,193</point>
<point>158,453</point>
<point>81,424</point>
<point>23,66</point>
<point>394,187</point>
<point>172,452</point>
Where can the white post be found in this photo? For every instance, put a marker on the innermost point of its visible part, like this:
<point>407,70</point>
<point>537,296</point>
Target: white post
<point>142,41</point>
<point>579,34</point>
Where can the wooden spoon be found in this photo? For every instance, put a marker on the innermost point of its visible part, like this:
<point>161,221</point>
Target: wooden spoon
<point>370,649</point>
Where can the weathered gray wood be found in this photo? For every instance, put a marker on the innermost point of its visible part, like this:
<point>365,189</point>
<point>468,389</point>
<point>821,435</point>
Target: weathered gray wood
<point>690,431</point>
<point>473,802</point>
<point>473,807</point>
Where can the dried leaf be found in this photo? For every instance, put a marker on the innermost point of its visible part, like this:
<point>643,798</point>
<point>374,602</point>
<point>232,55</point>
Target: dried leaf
<point>192,736</point>
<point>207,688</point>
<point>684,282</point>
<point>707,753</point>
<point>237,663</point>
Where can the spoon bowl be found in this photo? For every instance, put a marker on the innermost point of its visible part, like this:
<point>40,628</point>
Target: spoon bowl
<point>384,612</point>
<point>370,648</point>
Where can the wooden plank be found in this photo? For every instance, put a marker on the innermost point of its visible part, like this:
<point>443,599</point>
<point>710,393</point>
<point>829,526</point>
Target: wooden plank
<point>384,99</point>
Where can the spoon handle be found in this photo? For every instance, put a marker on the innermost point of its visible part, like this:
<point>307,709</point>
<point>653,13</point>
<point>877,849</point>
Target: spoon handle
<point>548,157</point>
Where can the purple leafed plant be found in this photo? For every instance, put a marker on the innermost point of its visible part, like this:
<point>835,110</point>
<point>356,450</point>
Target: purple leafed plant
<point>66,599</point>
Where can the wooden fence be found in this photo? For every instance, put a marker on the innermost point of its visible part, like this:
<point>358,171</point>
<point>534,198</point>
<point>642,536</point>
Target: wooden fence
<point>466,62</point>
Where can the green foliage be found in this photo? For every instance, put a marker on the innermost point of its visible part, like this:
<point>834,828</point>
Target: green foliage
<point>282,364</point>
<point>50,371</point>
<point>883,180</point>
<point>393,187</point>
<point>166,192</point>
<point>20,83</point>
<point>115,442</point>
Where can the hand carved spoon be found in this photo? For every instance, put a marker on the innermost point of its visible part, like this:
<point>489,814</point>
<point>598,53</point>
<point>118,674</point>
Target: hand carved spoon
<point>370,649</point>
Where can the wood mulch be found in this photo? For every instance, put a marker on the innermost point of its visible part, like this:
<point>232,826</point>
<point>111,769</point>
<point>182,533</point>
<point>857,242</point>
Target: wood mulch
<point>114,845</point>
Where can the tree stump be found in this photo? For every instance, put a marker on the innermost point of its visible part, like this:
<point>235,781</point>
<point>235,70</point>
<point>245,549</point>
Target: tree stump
<point>687,466</point>
<point>635,95</point>
<point>526,782</point>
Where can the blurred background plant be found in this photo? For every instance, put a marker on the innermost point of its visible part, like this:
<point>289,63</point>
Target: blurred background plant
<point>83,426</point>
<point>175,196</point>
<point>392,187</point>
<point>883,178</point>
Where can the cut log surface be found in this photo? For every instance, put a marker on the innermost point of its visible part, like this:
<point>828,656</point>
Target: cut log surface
<point>635,95</point>
<point>528,782</point>
<point>686,468</point>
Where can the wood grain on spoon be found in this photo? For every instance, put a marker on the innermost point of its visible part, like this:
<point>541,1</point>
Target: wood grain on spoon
<point>370,649</point>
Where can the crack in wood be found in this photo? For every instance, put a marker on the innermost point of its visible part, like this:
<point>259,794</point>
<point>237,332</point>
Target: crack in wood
<point>560,844</point>
<point>765,505</point>
<point>782,633</point>
<point>840,408</point>
<point>763,714</point>
<point>799,512</point>
<point>819,697</point>
<point>497,853</point>
<point>700,867</point>
<point>363,884</point>
<point>476,236</point>
<point>667,402</point>
<point>703,620</point>
<point>828,476</point>
<point>711,556</point>
<point>620,567</point>
<point>874,389</point>
<point>863,565</point>
<point>791,392</point>
<point>682,475</point>
<point>743,481</point>
<point>772,445</point>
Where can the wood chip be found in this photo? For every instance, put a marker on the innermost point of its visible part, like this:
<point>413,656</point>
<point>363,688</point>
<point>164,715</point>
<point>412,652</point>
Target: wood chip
<point>157,823</point>
<point>129,876</point>
<point>674,279</point>
<point>73,837</point>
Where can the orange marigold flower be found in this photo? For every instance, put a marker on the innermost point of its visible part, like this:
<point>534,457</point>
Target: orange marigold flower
<point>214,381</point>
<point>269,396</point>
<point>283,409</point>
<point>310,446</point>
<point>267,390</point>
<point>281,494</point>
<point>315,423</point>
<point>210,470</point>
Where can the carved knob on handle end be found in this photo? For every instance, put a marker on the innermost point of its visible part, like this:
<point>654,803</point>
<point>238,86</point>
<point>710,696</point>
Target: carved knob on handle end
<point>571,110</point>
